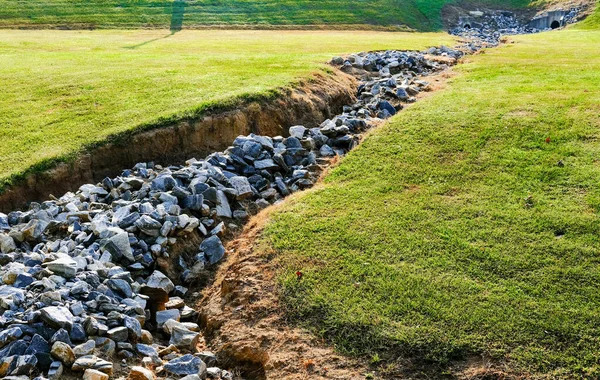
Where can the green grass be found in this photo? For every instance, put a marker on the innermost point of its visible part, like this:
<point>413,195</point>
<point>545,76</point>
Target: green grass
<point>62,90</point>
<point>593,21</point>
<point>453,230</point>
<point>424,15</point>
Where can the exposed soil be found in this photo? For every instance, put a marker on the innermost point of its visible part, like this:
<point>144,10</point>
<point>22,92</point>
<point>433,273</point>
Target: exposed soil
<point>308,103</point>
<point>244,323</point>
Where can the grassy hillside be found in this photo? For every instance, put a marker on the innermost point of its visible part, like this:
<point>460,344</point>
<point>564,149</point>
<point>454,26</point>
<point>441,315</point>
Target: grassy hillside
<point>62,90</point>
<point>467,225</point>
<point>418,14</point>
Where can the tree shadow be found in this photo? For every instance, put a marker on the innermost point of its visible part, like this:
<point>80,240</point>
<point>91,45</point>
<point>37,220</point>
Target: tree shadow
<point>177,15</point>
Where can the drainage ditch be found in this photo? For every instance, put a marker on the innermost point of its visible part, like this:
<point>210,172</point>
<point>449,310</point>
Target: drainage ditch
<point>97,282</point>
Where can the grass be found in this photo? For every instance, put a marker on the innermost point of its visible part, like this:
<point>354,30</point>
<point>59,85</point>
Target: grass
<point>63,90</point>
<point>424,15</point>
<point>454,231</point>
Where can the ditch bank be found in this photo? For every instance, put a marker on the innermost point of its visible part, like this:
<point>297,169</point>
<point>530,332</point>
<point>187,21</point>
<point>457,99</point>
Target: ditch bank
<point>99,281</point>
<point>307,103</point>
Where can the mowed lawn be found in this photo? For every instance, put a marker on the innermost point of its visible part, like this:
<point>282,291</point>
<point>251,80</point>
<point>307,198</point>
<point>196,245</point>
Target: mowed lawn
<point>423,15</point>
<point>62,90</point>
<point>468,225</point>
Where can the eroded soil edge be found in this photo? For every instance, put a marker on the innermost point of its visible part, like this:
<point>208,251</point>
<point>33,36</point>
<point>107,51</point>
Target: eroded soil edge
<point>308,103</point>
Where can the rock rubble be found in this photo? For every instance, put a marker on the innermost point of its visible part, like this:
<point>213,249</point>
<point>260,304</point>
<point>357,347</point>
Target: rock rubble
<point>90,281</point>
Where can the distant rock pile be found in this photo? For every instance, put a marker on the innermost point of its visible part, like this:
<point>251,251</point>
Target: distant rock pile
<point>90,281</point>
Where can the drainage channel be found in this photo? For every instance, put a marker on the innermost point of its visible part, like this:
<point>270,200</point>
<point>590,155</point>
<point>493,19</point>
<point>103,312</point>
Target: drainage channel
<point>96,283</point>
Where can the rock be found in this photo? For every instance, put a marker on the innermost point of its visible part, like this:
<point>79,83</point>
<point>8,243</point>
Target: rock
<point>57,317</point>
<point>105,346</point>
<point>55,371</point>
<point>84,349</point>
<point>134,327</point>
<point>149,226</point>
<point>119,248</point>
<point>266,164</point>
<point>122,287</point>
<point>147,337</point>
<point>165,315</point>
<point>7,244</point>
<point>41,349</point>
<point>184,338</point>
<point>241,186</point>
<point>92,374</point>
<point>297,131</point>
<point>61,336</point>
<point>223,208</point>
<point>25,364</point>
<point>64,266</point>
<point>213,249</point>
<point>118,334</point>
<point>141,373</point>
<point>146,350</point>
<point>10,335</point>
<point>186,365</point>
<point>61,351</point>
<point>158,281</point>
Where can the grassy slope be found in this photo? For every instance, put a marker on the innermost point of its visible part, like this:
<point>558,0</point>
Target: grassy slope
<point>418,14</point>
<point>422,241</point>
<point>62,90</point>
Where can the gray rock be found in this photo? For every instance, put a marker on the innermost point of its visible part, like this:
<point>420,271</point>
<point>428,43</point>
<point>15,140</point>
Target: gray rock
<point>149,226</point>
<point>241,186</point>
<point>184,338</point>
<point>84,349</point>
<point>165,315</point>
<point>266,164</point>
<point>55,371</point>
<point>186,365</point>
<point>146,350</point>
<point>213,249</point>
<point>159,281</point>
<point>223,208</point>
<point>118,334</point>
<point>134,327</point>
<point>122,287</point>
<point>57,317</point>
<point>25,364</point>
<point>118,246</point>
<point>63,266</point>
<point>297,131</point>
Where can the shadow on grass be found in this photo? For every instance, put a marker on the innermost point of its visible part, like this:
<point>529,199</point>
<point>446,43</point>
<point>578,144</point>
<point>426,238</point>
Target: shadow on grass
<point>177,15</point>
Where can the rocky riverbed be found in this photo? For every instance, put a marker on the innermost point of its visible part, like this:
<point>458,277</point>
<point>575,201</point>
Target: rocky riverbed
<point>95,283</point>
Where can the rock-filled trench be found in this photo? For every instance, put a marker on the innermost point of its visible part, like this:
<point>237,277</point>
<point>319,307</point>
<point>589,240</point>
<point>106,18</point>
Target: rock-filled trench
<point>95,283</point>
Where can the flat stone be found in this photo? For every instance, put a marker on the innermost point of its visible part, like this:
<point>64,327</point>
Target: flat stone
<point>266,164</point>
<point>84,349</point>
<point>185,365</point>
<point>63,266</point>
<point>134,327</point>
<point>146,350</point>
<point>57,317</point>
<point>118,334</point>
<point>122,287</point>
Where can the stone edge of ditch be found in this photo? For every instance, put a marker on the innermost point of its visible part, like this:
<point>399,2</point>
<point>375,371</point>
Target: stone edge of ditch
<point>307,103</point>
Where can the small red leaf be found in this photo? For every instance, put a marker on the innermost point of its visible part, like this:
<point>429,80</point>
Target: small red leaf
<point>547,140</point>
<point>299,275</point>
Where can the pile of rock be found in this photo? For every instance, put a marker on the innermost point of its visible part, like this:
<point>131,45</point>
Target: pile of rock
<point>90,276</point>
<point>490,27</point>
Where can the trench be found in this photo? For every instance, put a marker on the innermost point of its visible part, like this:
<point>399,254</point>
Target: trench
<point>339,113</point>
<point>307,103</point>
